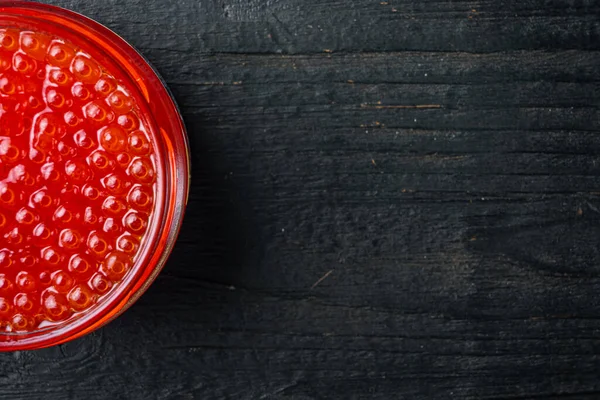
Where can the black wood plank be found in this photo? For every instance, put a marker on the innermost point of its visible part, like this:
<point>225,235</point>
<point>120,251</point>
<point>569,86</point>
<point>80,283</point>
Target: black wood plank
<point>390,200</point>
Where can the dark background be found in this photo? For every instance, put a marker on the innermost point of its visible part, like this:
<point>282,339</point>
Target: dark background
<point>390,200</point>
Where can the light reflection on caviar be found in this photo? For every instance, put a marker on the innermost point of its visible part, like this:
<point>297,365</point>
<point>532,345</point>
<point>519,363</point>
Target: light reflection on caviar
<point>77,181</point>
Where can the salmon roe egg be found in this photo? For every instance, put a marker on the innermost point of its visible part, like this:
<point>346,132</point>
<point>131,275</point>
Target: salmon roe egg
<point>78,178</point>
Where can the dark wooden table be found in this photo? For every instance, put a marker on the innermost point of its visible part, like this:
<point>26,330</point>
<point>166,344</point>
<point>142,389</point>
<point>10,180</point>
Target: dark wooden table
<point>391,200</point>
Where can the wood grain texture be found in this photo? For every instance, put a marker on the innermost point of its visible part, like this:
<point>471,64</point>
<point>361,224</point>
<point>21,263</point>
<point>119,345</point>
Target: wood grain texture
<point>391,200</point>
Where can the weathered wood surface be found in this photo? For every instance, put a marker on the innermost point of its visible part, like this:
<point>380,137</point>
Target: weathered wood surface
<point>391,200</point>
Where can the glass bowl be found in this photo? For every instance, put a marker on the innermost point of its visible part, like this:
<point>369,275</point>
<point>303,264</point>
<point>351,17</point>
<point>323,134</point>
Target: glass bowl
<point>158,113</point>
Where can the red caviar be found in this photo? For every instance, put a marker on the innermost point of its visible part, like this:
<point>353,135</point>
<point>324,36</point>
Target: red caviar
<point>92,149</point>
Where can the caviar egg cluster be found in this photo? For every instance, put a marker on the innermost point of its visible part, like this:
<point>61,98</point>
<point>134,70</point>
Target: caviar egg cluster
<point>77,181</point>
